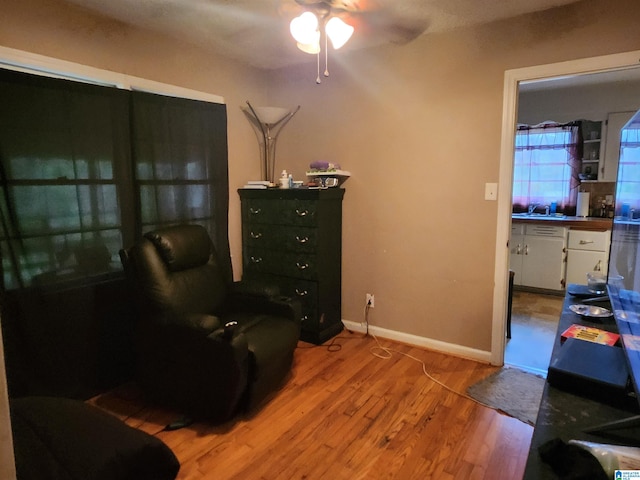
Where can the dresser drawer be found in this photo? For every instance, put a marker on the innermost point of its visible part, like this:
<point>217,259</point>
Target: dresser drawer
<point>281,238</point>
<point>280,212</point>
<point>305,291</point>
<point>288,264</point>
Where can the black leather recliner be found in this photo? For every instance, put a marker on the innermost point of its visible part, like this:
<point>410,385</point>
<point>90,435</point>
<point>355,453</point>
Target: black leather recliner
<point>206,346</point>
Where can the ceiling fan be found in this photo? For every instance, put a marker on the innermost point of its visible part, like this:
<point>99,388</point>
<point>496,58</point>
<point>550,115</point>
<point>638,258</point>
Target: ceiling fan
<point>374,21</point>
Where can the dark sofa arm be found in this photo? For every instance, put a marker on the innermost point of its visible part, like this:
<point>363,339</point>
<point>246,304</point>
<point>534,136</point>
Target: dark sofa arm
<point>254,287</point>
<point>249,300</point>
<point>64,439</point>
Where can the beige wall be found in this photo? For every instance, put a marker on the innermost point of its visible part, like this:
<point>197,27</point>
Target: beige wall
<point>418,126</point>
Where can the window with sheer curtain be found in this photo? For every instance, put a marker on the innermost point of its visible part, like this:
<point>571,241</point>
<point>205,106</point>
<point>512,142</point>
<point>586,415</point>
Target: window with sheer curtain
<point>85,169</point>
<point>628,185</point>
<point>546,166</point>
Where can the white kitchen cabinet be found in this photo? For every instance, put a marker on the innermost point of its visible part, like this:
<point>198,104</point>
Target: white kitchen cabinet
<point>587,251</point>
<point>516,247</point>
<point>537,254</point>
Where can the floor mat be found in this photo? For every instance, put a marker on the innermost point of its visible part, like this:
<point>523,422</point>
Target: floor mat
<point>512,391</point>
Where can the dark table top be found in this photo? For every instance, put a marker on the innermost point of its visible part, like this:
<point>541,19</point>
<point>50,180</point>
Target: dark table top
<point>565,415</point>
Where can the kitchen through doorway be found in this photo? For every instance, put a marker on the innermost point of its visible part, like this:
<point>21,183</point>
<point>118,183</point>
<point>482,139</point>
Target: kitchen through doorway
<point>535,314</point>
<point>534,323</point>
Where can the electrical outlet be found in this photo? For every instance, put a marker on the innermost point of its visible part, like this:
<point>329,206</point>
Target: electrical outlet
<point>370,300</point>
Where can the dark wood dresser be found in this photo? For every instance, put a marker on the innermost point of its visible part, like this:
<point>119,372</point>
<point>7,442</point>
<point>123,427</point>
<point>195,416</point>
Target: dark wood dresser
<point>293,238</point>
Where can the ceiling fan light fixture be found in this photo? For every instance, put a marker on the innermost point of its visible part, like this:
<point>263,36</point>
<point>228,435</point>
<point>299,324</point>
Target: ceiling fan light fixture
<point>311,29</point>
<point>304,29</point>
<point>311,48</point>
<point>338,32</point>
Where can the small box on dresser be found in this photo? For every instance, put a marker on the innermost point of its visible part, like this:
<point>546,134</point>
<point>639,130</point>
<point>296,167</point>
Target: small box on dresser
<point>292,238</point>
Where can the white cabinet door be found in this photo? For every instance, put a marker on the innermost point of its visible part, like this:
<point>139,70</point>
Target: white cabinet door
<point>543,262</point>
<point>516,249</point>
<point>580,262</point>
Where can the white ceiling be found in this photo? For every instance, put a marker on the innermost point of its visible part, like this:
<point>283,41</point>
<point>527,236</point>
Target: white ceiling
<point>257,32</point>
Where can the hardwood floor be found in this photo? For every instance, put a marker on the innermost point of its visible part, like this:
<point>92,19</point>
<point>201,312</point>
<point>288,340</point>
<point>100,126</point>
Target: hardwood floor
<point>346,413</point>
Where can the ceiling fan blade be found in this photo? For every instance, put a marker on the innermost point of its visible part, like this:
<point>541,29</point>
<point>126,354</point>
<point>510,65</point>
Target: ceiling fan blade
<point>388,25</point>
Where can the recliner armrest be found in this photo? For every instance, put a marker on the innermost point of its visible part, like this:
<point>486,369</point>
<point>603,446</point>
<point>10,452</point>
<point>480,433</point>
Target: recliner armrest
<point>248,287</point>
<point>201,322</point>
<point>271,305</point>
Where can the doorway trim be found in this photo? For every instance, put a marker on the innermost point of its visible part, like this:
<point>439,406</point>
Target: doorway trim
<point>512,79</point>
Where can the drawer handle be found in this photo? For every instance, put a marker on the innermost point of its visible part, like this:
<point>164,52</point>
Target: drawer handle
<point>302,293</point>
<point>256,235</point>
<point>302,266</point>
<point>302,213</point>
<point>304,318</point>
<point>255,211</point>
<point>526,249</point>
<point>585,242</point>
<point>302,239</point>
<point>256,259</point>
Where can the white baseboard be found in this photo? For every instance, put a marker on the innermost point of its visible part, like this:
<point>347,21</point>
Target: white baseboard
<point>442,347</point>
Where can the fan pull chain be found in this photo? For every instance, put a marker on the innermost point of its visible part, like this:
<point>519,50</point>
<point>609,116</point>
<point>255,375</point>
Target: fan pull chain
<point>318,81</point>
<point>326,56</point>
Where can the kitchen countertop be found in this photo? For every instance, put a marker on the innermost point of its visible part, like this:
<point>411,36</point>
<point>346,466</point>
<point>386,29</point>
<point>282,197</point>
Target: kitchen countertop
<point>577,223</point>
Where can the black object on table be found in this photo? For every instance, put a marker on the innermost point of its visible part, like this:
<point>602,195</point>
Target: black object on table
<point>566,413</point>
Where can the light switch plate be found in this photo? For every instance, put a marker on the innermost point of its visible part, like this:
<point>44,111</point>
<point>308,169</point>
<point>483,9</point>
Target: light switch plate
<point>490,191</point>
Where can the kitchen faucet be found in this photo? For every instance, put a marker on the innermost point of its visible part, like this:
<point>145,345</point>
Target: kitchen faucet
<point>533,206</point>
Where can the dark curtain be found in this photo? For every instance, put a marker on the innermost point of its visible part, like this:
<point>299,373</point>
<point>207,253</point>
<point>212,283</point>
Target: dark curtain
<point>180,165</point>
<point>64,148</point>
<point>84,170</point>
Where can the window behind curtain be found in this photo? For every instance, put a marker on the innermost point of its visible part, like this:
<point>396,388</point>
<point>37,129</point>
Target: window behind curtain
<point>628,186</point>
<point>68,197</point>
<point>546,166</point>
<point>180,165</point>
<point>62,147</point>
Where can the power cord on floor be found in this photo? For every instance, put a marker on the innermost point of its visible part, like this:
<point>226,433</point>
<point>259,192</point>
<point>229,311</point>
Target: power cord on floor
<point>388,352</point>
<point>385,353</point>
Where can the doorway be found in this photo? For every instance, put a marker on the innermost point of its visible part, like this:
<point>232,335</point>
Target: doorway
<point>598,98</point>
<point>514,79</point>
